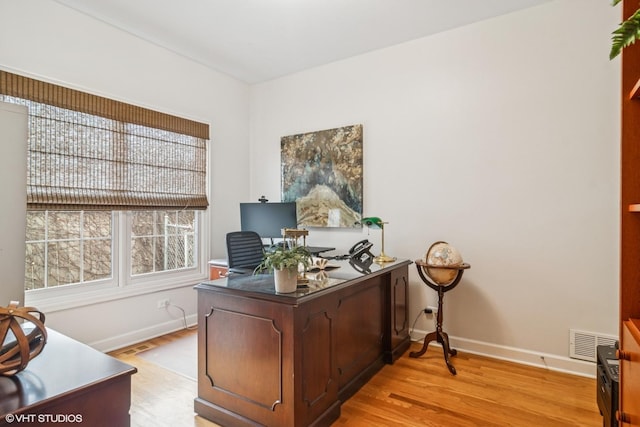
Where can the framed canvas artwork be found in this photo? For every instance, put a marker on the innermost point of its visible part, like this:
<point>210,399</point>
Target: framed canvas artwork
<point>322,173</point>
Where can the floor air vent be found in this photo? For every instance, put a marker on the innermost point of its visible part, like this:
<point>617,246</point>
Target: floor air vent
<point>583,345</point>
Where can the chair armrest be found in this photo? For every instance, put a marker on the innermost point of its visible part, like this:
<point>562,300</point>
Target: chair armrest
<point>240,270</point>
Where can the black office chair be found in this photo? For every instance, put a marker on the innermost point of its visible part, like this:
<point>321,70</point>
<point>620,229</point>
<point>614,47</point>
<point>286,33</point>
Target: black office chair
<point>244,251</point>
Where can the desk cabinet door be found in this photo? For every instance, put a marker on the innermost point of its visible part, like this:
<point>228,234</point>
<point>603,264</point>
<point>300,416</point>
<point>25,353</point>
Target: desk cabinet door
<point>397,334</point>
<point>629,414</point>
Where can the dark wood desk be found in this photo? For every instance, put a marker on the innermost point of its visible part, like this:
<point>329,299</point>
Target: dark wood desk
<point>291,359</point>
<point>68,384</point>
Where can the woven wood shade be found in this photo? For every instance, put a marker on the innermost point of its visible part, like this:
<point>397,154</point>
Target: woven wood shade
<point>88,152</point>
<point>70,99</point>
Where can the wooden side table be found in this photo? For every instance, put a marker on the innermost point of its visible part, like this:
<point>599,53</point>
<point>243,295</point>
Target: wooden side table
<point>439,335</point>
<point>69,383</point>
<point>218,269</point>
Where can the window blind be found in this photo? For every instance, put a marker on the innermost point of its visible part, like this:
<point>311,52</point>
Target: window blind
<point>89,152</point>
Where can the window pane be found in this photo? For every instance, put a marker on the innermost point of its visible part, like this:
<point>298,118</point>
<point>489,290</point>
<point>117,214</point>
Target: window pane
<point>35,225</point>
<point>142,255</point>
<point>142,223</point>
<point>169,244</point>
<point>97,260</point>
<point>189,251</point>
<point>97,224</point>
<point>34,269</point>
<point>159,260</point>
<point>63,263</point>
<point>187,218</point>
<point>175,249</point>
<point>64,248</point>
<point>163,218</point>
<point>64,225</point>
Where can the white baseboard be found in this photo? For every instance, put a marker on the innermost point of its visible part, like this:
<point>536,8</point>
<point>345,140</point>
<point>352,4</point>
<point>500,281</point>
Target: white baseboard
<point>552,362</point>
<point>526,357</point>
<point>133,337</point>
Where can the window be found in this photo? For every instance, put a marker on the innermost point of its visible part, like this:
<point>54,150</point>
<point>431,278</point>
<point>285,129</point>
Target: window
<point>67,247</point>
<point>114,191</point>
<point>162,241</point>
<point>76,247</point>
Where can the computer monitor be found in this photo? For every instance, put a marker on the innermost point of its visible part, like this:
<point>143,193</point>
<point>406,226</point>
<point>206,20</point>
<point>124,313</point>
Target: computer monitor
<point>268,219</point>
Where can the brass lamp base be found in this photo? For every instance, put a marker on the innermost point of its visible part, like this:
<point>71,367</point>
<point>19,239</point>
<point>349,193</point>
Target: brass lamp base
<point>382,258</point>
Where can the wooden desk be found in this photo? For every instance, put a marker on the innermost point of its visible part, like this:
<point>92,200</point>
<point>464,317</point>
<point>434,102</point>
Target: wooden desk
<point>291,359</point>
<point>68,384</point>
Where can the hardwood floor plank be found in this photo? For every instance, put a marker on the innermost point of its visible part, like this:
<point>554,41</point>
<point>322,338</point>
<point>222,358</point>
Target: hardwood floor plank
<point>412,392</point>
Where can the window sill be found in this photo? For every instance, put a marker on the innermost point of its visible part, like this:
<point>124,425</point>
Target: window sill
<point>59,301</point>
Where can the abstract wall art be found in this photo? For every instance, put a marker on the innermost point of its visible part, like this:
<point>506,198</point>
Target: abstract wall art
<point>322,172</point>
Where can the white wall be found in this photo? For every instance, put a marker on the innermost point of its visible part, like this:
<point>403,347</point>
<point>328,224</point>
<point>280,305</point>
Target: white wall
<point>13,150</point>
<point>502,139</point>
<point>45,40</point>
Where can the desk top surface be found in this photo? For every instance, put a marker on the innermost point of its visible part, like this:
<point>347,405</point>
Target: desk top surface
<point>65,365</point>
<point>335,273</point>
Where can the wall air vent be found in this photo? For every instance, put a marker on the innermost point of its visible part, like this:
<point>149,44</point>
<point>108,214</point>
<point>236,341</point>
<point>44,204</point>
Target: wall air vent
<point>583,345</point>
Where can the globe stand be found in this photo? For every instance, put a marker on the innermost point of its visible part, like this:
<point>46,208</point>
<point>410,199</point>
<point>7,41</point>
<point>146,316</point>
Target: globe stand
<point>439,335</point>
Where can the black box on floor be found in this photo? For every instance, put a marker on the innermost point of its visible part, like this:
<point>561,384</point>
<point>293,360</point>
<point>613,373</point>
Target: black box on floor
<point>608,374</point>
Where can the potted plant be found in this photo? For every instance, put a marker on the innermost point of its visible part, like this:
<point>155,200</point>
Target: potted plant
<point>284,262</point>
<point>626,34</point>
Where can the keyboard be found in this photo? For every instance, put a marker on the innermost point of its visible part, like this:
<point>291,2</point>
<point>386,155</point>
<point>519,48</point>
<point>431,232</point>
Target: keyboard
<point>315,250</point>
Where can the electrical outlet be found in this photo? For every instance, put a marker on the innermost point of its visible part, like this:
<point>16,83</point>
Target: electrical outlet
<point>162,303</point>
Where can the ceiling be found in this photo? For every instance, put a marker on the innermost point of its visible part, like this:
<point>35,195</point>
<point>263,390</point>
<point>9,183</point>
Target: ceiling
<point>259,40</point>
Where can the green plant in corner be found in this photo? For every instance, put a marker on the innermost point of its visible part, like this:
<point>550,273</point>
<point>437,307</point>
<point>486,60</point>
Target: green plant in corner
<point>285,257</point>
<point>626,34</point>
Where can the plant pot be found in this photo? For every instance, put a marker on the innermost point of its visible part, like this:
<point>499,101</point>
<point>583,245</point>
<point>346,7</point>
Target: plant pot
<point>286,280</point>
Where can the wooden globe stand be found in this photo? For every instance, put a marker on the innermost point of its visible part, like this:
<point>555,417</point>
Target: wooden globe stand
<point>439,335</point>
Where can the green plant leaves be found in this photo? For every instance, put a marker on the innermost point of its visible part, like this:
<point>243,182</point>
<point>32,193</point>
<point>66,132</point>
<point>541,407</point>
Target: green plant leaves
<point>283,257</point>
<point>626,34</point>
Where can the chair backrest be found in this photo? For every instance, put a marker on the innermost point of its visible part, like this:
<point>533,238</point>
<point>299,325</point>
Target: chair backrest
<point>244,249</point>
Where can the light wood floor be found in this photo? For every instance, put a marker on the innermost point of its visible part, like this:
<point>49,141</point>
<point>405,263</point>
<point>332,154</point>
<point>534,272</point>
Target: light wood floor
<point>411,392</point>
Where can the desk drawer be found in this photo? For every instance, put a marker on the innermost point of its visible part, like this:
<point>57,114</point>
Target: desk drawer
<point>217,272</point>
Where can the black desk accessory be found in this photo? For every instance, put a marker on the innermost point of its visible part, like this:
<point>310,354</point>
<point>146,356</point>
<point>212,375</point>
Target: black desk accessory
<point>608,373</point>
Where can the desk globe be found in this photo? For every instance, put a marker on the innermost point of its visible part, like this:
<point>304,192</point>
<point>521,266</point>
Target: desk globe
<point>442,260</point>
<point>441,270</point>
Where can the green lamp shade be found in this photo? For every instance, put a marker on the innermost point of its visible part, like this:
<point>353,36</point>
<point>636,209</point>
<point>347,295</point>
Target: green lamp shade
<point>372,222</point>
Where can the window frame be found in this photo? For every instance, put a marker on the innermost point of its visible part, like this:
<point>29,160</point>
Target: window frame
<point>123,284</point>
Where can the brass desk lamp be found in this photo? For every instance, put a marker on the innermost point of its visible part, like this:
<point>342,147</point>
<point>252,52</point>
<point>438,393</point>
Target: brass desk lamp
<point>375,222</point>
